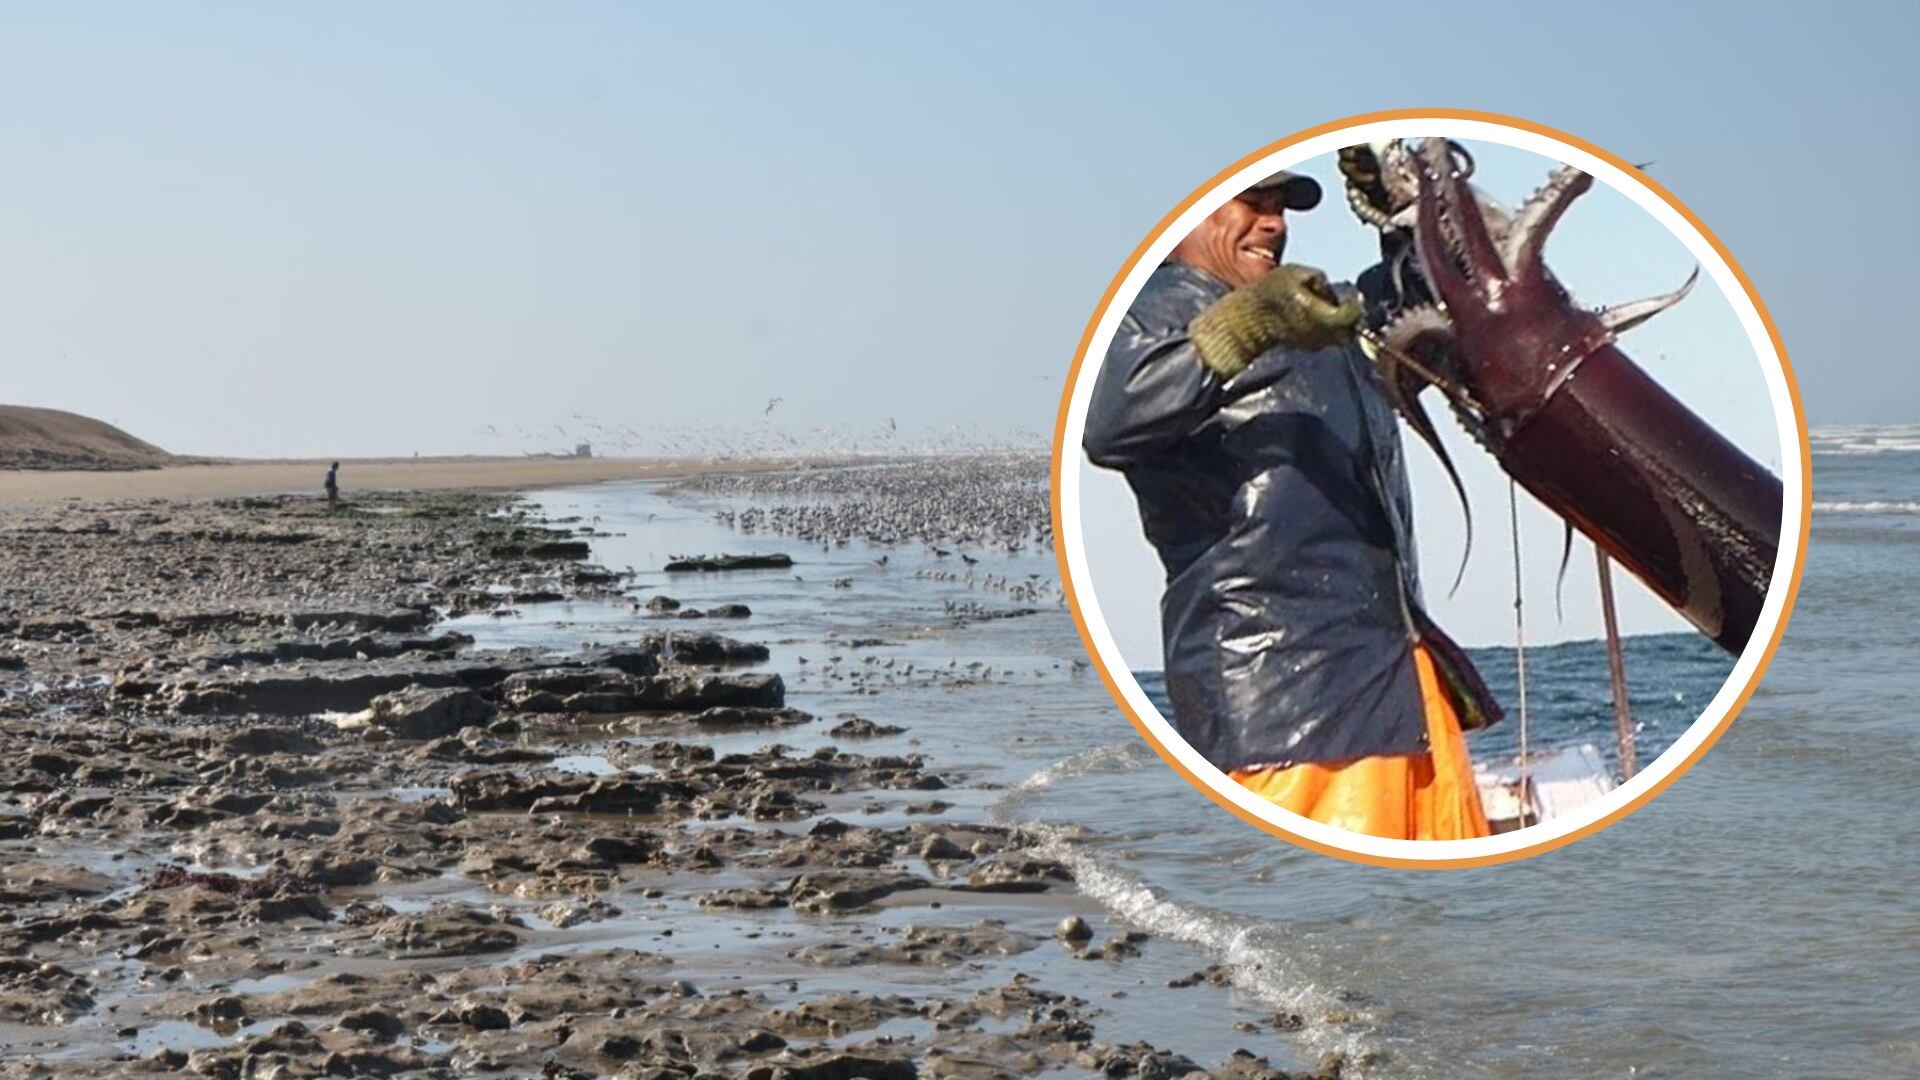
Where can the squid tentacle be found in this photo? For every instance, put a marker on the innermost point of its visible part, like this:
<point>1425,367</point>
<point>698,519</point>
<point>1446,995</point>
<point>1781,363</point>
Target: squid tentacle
<point>1403,382</point>
<point>1537,217</point>
<point>1620,318</point>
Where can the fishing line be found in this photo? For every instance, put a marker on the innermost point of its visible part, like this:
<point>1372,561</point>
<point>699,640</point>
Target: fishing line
<point>1519,649</point>
<point>1454,393</point>
<point>1617,668</point>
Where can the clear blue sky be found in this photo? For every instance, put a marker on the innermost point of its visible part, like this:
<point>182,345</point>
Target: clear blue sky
<point>306,229</point>
<point>324,229</point>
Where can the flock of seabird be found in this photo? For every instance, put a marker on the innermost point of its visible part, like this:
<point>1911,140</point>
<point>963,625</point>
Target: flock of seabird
<point>992,503</point>
<point>965,509</point>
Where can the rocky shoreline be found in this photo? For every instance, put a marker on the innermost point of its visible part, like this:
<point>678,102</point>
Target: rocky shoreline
<point>261,814</point>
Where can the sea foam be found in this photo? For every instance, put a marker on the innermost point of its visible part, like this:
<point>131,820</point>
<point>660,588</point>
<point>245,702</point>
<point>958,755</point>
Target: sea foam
<point>1261,963</point>
<point>1866,507</point>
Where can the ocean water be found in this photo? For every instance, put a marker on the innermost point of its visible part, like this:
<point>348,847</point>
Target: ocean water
<point>1670,678</point>
<point>1757,919</point>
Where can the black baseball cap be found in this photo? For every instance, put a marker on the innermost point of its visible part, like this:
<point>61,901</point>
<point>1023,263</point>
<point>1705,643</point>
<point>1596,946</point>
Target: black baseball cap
<point>1297,192</point>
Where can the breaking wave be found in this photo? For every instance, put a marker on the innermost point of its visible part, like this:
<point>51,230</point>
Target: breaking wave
<point>1857,439</point>
<point>1858,449</point>
<point>1256,957</point>
<point>1113,757</point>
<point>1866,507</point>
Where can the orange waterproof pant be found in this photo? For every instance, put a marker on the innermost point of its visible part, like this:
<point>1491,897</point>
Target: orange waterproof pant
<point>1428,796</point>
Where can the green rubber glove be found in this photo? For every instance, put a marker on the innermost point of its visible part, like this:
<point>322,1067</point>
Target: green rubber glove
<point>1291,305</point>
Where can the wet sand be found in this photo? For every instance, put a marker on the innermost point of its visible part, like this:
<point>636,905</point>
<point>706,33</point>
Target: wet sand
<point>233,478</point>
<point>264,811</point>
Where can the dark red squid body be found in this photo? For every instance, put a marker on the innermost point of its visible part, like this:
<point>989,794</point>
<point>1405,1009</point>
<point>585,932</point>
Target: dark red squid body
<point>1581,426</point>
<point>1657,489</point>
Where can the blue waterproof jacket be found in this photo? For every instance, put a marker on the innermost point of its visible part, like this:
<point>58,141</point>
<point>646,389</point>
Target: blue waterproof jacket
<point>1279,505</point>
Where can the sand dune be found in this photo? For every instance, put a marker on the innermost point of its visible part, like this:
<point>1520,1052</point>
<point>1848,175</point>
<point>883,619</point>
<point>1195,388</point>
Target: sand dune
<point>50,439</point>
<point>48,455</point>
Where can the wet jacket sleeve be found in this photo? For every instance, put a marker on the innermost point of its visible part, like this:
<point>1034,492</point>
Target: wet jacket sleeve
<point>1151,393</point>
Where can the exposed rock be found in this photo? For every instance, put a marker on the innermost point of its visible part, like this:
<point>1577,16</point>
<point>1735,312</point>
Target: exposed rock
<point>226,1009</point>
<point>302,690</point>
<point>537,544</point>
<point>708,563</point>
<point>564,914</point>
<point>275,909</point>
<point>634,694</point>
<point>836,891</point>
<point>942,848</point>
<point>446,930</point>
<point>704,647</point>
<point>1211,975</point>
<point>384,1024</point>
<point>855,727</point>
<point>1243,1065</point>
<point>929,946</point>
<point>34,992</point>
<point>1138,1061</point>
<point>483,1017</point>
<point>636,848</point>
<point>32,883</point>
<point>1121,946</point>
<point>264,887</point>
<point>638,659</point>
<point>363,647</point>
<point>734,718</point>
<point>193,623</point>
<point>427,713</point>
<point>1018,875</point>
<point>271,740</point>
<point>333,868</point>
<point>570,793</point>
<point>306,688</point>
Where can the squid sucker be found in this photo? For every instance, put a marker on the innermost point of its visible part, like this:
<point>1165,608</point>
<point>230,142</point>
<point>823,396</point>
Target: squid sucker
<point>1542,383</point>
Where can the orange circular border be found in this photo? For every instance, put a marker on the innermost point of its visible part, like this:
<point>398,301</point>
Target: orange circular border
<point>1106,301</point>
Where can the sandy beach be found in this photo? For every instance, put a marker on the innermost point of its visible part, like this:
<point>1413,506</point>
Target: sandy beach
<point>207,479</point>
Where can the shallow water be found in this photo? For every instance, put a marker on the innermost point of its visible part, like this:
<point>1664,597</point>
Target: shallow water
<point>1670,679</point>
<point>990,702</point>
<point>1755,919</point>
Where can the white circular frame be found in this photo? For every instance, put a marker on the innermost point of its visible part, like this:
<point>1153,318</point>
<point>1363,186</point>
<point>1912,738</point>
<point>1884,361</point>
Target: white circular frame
<point>1772,612</point>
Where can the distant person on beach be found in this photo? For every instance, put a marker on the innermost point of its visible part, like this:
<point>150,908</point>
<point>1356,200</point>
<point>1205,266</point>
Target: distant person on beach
<point>1267,466</point>
<point>333,487</point>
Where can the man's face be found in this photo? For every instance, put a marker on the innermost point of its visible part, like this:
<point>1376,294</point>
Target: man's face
<point>1239,242</point>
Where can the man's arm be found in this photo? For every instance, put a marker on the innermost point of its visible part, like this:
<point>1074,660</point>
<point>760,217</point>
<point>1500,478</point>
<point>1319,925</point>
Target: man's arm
<point>1151,392</point>
<point>1156,388</point>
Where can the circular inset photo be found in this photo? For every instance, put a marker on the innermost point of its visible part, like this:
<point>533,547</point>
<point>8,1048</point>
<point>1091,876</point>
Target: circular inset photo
<point>1431,488</point>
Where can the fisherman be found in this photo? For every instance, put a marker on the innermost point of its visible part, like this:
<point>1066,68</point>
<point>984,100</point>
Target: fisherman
<point>1267,466</point>
<point>333,487</point>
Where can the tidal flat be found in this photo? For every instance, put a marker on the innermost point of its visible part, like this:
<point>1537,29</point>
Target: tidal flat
<point>436,786</point>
